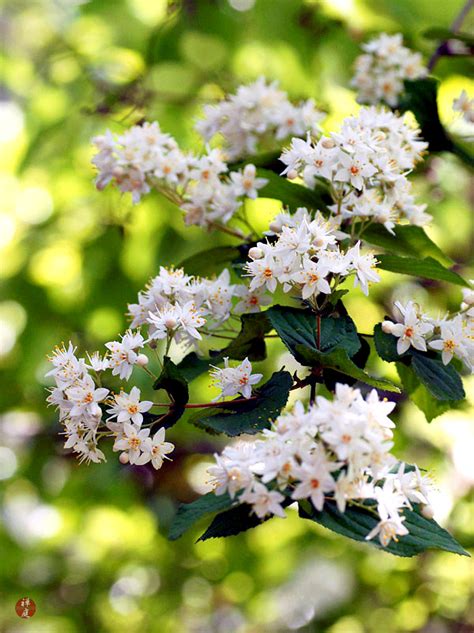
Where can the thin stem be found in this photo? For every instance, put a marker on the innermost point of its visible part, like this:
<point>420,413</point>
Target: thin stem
<point>150,373</point>
<point>455,26</point>
<point>228,230</point>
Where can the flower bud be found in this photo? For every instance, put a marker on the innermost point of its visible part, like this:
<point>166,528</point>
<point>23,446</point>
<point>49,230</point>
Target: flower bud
<point>142,360</point>
<point>170,323</point>
<point>124,458</point>
<point>318,242</point>
<point>328,143</point>
<point>275,227</point>
<point>427,511</point>
<point>387,327</point>
<point>468,296</point>
<point>255,253</point>
<point>292,174</point>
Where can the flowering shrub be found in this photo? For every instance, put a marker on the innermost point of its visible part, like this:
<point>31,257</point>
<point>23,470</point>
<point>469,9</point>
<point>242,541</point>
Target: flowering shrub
<point>350,214</point>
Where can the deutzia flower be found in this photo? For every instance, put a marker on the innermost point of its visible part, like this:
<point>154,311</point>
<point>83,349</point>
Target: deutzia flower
<point>246,182</point>
<point>413,331</point>
<point>389,527</point>
<point>85,398</point>
<point>234,380</point>
<point>133,443</point>
<point>157,448</point>
<point>264,501</point>
<point>127,407</point>
<point>453,341</point>
<point>123,355</point>
<point>465,105</point>
<point>365,268</point>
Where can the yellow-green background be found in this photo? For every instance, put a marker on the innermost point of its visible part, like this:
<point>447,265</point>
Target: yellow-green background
<point>88,543</point>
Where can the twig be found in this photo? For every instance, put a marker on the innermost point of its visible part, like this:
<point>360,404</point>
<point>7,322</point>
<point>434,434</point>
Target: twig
<point>456,25</point>
<point>203,405</point>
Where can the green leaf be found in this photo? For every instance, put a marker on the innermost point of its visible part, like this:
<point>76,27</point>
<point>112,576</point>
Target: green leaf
<point>232,522</point>
<point>442,381</point>
<point>386,345</point>
<point>189,513</point>
<point>340,361</point>
<point>250,342</point>
<point>173,382</point>
<point>298,327</point>
<point>420,395</point>
<point>193,365</point>
<point>208,263</point>
<point>251,416</point>
<point>355,523</point>
<point>428,268</point>
<point>408,240</point>
<point>292,194</point>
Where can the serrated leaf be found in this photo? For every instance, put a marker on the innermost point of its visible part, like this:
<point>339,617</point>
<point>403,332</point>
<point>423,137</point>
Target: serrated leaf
<point>293,195</point>
<point>442,381</point>
<point>340,361</point>
<point>193,365</point>
<point>355,523</point>
<point>427,268</point>
<point>300,327</point>
<point>420,395</point>
<point>251,416</point>
<point>189,513</point>
<point>408,240</point>
<point>172,381</point>
<point>232,522</point>
<point>208,263</point>
<point>250,342</point>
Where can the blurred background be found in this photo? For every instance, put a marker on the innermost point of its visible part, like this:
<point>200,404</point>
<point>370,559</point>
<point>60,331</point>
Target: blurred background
<point>88,543</point>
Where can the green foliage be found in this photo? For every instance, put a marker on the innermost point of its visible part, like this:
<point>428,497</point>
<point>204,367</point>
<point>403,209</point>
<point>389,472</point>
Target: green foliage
<point>251,416</point>
<point>208,263</point>
<point>408,240</point>
<point>420,395</point>
<point>250,342</point>
<point>189,513</point>
<point>356,523</point>
<point>297,327</point>
<point>427,268</point>
<point>293,195</point>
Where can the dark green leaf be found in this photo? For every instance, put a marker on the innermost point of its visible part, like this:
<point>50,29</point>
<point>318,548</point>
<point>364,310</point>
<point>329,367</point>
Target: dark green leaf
<point>408,240</point>
<point>193,365</point>
<point>208,263</point>
<point>442,381</point>
<point>189,513</point>
<point>355,523</point>
<point>232,522</point>
<point>386,345</point>
<point>250,342</point>
<point>172,381</point>
<point>428,268</point>
<point>298,327</point>
<point>340,361</point>
<point>251,416</point>
<point>420,395</point>
<point>292,194</point>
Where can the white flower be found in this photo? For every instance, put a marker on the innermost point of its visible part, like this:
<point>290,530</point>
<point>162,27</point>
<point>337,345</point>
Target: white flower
<point>465,105</point>
<point>264,501</point>
<point>389,527</point>
<point>157,448</point>
<point>313,278</point>
<point>246,182</point>
<point>354,169</point>
<point>234,380</point>
<point>128,407</point>
<point>133,442</point>
<point>453,341</point>
<point>85,398</point>
<point>413,331</point>
<point>123,355</point>
<point>365,268</point>
<point>251,301</point>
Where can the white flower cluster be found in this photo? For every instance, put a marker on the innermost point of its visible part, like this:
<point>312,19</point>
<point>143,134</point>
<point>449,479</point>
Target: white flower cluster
<point>78,398</point>
<point>176,305</point>
<point>255,116</point>
<point>144,158</point>
<point>234,380</point>
<point>453,336</point>
<point>335,452</point>
<point>366,163</point>
<point>381,70</point>
<point>465,106</point>
<point>306,258</point>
